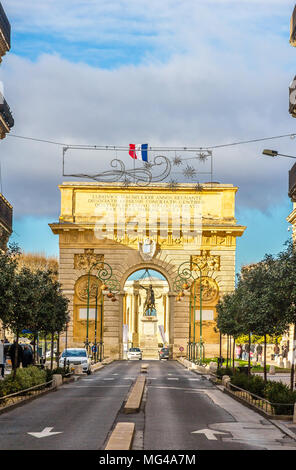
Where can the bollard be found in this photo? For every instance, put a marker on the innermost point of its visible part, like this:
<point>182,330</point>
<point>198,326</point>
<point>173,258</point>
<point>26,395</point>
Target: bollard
<point>294,415</point>
<point>272,370</point>
<point>213,366</point>
<point>57,380</point>
<point>225,380</point>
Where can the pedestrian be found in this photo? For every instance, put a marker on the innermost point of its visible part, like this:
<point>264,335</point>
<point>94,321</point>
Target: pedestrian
<point>276,351</point>
<point>259,352</point>
<point>285,351</point>
<point>27,359</point>
<point>12,351</point>
<point>239,351</point>
<point>247,350</point>
<point>2,358</point>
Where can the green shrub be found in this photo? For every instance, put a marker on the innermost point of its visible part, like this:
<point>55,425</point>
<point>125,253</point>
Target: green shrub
<point>224,371</point>
<point>257,385</point>
<point>58,370</point>
<point>277,392</point>
<point>253,383</point>
<point>241,380</point>
<point>25,378</point>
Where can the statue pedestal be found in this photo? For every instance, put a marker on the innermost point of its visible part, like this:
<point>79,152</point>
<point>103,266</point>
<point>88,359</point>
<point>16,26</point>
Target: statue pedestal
<point>148,337</point>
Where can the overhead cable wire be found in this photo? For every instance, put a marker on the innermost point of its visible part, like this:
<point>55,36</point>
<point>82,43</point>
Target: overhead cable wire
<point>168,149</point>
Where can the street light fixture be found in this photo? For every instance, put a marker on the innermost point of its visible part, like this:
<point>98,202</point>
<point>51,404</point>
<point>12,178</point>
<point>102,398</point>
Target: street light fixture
<point>182,282</point>
<point>104,274</point>
<point>274,153</point>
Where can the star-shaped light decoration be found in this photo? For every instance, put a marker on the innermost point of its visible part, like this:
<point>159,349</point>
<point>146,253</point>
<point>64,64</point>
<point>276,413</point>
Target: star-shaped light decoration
<point>173,185</point>
<point>177,160</point>
<point>198,187</point>
<point>189,172</point>
<point>202,157</point>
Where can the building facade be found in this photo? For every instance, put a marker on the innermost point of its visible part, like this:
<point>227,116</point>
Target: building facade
<point>6,119</point>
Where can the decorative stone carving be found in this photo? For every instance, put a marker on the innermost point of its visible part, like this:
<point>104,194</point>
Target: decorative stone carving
<point>147,249</point>
<point>87,260</point>
<point>81,288</point>
<point>210,289</point>
<point>205,261</point>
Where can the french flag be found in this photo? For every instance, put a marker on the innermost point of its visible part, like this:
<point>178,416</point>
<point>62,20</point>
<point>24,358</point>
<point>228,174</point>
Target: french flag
<point>133,148</point>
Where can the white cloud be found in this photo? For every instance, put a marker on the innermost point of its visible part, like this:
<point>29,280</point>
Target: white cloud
<point>226,79</point>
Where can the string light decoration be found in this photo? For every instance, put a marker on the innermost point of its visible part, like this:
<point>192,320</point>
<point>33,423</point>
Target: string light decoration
<point>159,169</point>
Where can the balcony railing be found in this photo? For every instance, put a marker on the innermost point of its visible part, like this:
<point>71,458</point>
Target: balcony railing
<point>5,112</point>
<point>292,183</point>
<point>5,26</point>
<point>5,213</point>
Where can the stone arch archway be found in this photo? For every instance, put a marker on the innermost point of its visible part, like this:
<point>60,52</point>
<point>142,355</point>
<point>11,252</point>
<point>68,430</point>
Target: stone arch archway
<point>84,204</point>
<point>148,333</point>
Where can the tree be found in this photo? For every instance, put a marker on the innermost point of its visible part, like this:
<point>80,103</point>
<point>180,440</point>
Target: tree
<point>261,310</point>
<point>285,292</point>
<point>53,310</point>
<point>23,305</point>
<point>8,265</point>
<point>229,316</point>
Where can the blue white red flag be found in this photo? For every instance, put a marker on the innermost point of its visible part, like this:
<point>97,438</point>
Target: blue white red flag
<point>143,148</point>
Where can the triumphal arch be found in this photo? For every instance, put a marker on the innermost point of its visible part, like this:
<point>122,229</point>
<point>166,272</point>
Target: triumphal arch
<point>151,229</point>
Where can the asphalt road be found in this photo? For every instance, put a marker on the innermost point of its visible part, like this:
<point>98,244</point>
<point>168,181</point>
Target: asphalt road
<point>180,410</point>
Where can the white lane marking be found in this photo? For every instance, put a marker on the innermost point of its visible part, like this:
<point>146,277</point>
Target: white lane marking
<point>129,378</point>
<point>45,433</point>
<point>109,378</point>
<point>93,386</point>
<point>188,390</point>
<point>173,378</point>
<point>209,433</point>
<point>194,379</point>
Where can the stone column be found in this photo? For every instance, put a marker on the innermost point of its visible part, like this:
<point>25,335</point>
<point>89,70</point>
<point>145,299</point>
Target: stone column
<point>121,296</point>
<point>136,316</point>
<point>171,297</point>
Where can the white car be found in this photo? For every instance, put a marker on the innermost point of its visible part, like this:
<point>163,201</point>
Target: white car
<point>76,357</point>
<point>134,353</point>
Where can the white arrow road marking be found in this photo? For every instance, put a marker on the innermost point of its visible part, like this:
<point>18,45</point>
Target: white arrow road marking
<point>208,433</point>
<point>45,433</point>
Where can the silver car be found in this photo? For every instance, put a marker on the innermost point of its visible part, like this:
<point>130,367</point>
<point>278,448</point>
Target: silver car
<point>134,353</point>
<point>76,357</point>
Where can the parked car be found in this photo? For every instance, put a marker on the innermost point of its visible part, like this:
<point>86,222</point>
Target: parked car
<point>164,353</point>
<point>76,357</point>
<point>134,353</point>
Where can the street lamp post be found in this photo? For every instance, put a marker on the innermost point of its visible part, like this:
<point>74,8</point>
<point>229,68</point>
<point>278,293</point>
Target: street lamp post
<point>185,275</point>
<point>108,280</point>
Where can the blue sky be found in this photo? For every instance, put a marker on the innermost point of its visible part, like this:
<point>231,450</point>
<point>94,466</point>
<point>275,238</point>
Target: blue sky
<point>194,72</point>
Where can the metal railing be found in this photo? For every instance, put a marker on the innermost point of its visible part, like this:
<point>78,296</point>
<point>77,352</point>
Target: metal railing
<point>5,112</point>
<point>261,403</point>
<point>5,26</point>
<point>5,213</point>
<point>292,182</point>
<point>193,352</point>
